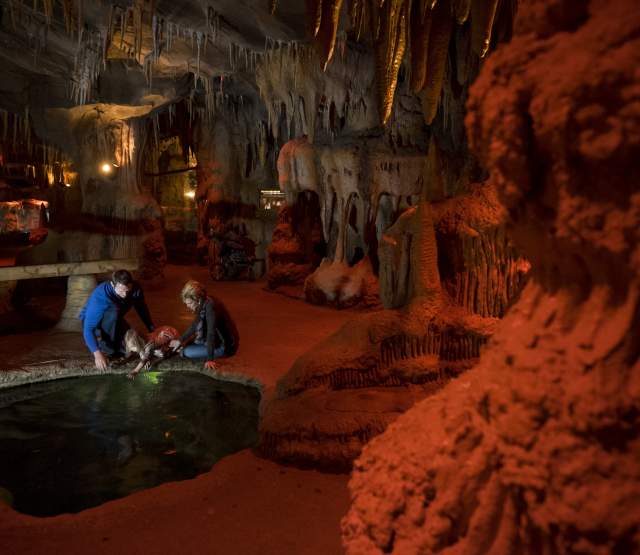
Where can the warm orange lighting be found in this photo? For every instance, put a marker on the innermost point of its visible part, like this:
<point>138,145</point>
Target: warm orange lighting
<point>67,184</point>
<point>106,168</point>
<point>190,194</point>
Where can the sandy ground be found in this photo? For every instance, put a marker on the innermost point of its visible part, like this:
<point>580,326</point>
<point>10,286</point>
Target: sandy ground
<point>245,504</point>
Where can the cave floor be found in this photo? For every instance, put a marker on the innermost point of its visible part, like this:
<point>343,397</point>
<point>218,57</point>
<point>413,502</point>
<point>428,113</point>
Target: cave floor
<point>244,504</point>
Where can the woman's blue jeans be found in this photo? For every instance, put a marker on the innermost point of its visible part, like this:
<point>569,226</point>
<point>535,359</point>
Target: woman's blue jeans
<point>199,351</point>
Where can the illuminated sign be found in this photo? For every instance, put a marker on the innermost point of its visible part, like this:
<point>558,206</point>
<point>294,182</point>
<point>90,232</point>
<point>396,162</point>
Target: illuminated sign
<point>271,199</point>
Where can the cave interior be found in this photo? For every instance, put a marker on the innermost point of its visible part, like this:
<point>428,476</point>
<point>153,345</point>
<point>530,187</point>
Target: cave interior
<point>435,211</point>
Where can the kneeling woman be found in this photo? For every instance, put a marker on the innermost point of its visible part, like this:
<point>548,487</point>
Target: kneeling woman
<point>213,330</point>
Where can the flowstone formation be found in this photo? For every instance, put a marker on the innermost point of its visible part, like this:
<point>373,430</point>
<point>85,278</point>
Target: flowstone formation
<point>236,157</point>
<point>422,226</point>
<point>110,81</point>
<point>338,161</point>
<point>536,449</point>
<point>113,218</point>
<point>397,63</point>
<point>355,181</point>
<point>349,388</point>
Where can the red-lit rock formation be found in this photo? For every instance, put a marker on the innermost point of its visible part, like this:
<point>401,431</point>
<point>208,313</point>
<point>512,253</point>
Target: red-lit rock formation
<point>351,386</point>
<point>536,449</point>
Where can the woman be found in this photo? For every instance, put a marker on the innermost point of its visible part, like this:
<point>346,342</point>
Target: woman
<point>213,330</point>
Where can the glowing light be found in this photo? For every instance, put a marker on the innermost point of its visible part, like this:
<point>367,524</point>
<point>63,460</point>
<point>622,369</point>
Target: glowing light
<point>190,194</point>
<point>106,168</point>
<point>67,184</point>
<point>152,377</point>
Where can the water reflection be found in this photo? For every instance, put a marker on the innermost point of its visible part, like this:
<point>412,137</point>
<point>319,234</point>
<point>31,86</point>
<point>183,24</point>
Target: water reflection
<point>76,443</point>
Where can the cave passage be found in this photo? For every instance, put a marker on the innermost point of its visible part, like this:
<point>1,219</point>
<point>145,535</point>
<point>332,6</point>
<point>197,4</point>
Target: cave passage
<point>71,444</point>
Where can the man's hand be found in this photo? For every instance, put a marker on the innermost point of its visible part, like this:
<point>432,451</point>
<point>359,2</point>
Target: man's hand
<point>174,344</point>
<point>100,360</point>
<point>211,365</point>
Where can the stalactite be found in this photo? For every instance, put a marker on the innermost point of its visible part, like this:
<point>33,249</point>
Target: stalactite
<point>213,24</point>
<point>137,12</point>
<point>387,20</point>
<point>359,16</point>
<point>156,36</point>
<point>390,50</point>
<point>420,30</point>
<point>199,38</point>
<point>87,63</point>
<point>461,10</point>
<point>437,58</point>
<point>69,15</point>
<point>47,6</point>
<point>482,15</point>
<point>327,15</point>
<point>80,19</point>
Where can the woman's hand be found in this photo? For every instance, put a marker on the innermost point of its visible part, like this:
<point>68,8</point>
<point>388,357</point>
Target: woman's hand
<point>211,365</point>
<point>174,344</point>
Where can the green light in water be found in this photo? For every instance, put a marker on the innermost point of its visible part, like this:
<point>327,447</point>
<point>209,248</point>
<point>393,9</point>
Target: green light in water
<point>152,377</point>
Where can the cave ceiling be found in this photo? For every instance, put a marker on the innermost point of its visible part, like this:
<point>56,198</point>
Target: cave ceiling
<point>60,54</point>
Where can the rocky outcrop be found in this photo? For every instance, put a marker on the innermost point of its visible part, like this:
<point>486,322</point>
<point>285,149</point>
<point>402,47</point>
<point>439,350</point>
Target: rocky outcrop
<point>536,449</point>
<point>340,285</point>
<point>348,181</point>
<point>404,354</point>
<point>289,263</point>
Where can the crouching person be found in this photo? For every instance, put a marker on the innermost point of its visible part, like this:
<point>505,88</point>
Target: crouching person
<point>213,330</point>
<point>103,322</point>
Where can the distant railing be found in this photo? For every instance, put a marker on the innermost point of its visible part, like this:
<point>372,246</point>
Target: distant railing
<point>80,283</point>
<point>61,269</point>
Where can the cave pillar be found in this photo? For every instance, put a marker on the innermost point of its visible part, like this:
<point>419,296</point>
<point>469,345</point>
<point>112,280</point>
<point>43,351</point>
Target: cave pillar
<point>78,290</point>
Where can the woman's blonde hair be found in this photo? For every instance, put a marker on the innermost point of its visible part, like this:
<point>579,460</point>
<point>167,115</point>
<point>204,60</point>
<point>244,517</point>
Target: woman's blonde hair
<point>193,291</point>
<point>133,342</point>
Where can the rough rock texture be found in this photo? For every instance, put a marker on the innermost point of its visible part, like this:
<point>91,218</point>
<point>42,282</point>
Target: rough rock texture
<point>288,260</point>
<point>536,449</point>
<point>340,285</point>
<point>404,354</point>
<point>350,180</point>
<point>103,216</point>
<point>236,156</point>
<point>99,80</point>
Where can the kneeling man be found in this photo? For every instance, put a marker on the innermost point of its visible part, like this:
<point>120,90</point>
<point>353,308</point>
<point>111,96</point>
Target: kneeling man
<point>103,323</point>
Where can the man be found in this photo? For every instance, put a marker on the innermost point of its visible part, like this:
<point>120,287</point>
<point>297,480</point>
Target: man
<point>103,323</point>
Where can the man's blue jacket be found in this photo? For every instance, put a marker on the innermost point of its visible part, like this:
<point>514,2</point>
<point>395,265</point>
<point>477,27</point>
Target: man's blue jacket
<point>102,299</point>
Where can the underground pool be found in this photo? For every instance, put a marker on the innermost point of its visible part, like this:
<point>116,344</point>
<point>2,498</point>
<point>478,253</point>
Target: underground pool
<point>70,444</point>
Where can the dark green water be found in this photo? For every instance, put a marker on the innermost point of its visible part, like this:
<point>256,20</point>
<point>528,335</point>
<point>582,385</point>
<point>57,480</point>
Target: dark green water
<point>67,445</point>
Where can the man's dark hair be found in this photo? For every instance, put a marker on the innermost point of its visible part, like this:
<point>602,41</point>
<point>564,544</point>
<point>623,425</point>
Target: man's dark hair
<point>122,276</point>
